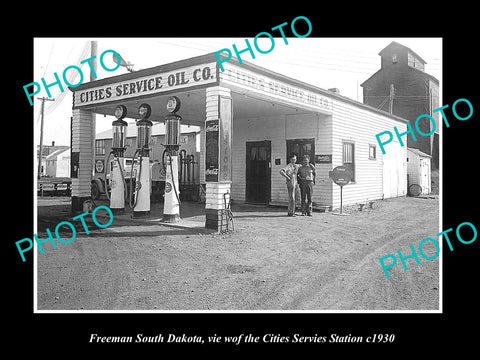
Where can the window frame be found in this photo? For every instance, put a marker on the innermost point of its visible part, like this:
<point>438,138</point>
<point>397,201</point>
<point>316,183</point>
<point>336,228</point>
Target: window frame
<point>374,147</point>
<point>301,141</point>
<point>100,144</point>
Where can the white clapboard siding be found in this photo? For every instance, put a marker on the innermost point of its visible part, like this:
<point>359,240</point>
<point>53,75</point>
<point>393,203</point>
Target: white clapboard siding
<point>360,125</point>
<point>278,129</point>
<point>214,198</point>
<point>82,141</point>
<point>413,167</point>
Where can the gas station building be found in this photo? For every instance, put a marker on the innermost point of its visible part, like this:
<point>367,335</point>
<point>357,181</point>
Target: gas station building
<point>251,119</point>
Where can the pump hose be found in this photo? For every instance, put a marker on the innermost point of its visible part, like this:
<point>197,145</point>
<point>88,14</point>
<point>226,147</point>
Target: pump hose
<point>163,160</point>
<point>125,194</point>
<point>173,180</point>
<point>107,165</point>
<point>125,191</point>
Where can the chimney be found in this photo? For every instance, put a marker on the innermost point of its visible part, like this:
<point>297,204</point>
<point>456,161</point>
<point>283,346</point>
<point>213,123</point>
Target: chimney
<point>334,90</point>
<point>53,143</point>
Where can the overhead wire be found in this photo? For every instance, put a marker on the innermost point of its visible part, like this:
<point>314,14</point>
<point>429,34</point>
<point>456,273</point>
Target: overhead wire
<point>60,95</point>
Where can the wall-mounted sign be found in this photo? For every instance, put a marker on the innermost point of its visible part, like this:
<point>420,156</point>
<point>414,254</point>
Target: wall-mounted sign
<point>323,159</point>
<point>211,150</point>
<point>99,166</point>
<point>225,139</point>
<point>147,85</point>
<point>74,163</point>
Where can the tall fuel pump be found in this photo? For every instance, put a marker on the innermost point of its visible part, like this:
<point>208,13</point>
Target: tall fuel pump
<point>171,204</point>
<point>117,180</point>
<point>141,201</point>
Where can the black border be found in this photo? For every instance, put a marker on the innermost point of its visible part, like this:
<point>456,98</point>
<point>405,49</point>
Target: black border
<point>455,329</point>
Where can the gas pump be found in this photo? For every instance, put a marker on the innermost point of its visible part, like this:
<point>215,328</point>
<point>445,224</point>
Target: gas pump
<point>117,180</point>
<point>141,203</point>
<point>171,204</point>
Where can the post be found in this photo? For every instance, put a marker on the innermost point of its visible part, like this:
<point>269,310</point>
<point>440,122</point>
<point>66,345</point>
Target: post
<point>218,160</point>
<point>82,156</point>
<point>341,199</point>
<point>41,135</point>
<point>390,96</point>
<point>93,52</point>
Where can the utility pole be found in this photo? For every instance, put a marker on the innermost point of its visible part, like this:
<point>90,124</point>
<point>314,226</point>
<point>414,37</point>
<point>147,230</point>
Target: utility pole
<point>41,136</point>
<point>93,52</point>
<point>391,96</point>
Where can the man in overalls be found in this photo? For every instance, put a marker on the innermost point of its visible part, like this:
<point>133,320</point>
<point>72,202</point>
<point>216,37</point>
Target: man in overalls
<point>306,177</point>
<point>290,173</point>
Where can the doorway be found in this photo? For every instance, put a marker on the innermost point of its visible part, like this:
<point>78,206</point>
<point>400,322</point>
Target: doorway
<point>258,172</point>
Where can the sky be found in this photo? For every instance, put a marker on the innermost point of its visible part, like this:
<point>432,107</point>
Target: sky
<point>342,63</point>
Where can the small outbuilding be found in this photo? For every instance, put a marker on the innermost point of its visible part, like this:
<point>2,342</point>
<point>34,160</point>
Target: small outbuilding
<point>58,162</point>
<point>419,170</point>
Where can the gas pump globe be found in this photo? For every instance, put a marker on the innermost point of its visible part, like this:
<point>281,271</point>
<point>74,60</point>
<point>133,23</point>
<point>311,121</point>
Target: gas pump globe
<point>117,180</point>
<point>171,205</point>
<point>141,204</point>
<point>172,123</point>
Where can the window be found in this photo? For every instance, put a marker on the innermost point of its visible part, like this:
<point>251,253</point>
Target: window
<point>394,59</point>
<point>348,157</point>
<point>372,152</point>
<point>100,147</point>
<point>301,147</point>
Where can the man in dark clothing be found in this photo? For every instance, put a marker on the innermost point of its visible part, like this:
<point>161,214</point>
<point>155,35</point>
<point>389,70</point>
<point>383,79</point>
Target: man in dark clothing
<point>306,177</point>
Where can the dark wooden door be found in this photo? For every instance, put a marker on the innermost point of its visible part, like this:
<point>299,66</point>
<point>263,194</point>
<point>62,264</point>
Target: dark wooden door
<point>258,172</point>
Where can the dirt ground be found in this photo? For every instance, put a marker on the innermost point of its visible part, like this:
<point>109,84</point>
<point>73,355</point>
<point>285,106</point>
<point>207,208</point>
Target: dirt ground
<point>271,261</point>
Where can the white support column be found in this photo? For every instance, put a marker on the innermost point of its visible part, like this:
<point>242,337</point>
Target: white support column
<point>218,180</point>
<point>83,141</point>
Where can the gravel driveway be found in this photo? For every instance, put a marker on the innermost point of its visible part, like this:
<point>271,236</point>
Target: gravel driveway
<point>271,262</point>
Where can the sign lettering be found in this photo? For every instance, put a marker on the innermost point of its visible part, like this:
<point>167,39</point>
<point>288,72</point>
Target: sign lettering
<point>271,86</point>
<point>147,85</point>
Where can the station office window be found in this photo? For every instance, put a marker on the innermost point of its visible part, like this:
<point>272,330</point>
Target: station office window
<point>301,147</point>
<point>372,152</point>
<point>348,157</point>
<point>100,147</point>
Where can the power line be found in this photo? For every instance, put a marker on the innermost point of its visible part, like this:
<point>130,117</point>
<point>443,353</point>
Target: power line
<point>48,61</point>
<point>60,95</point>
